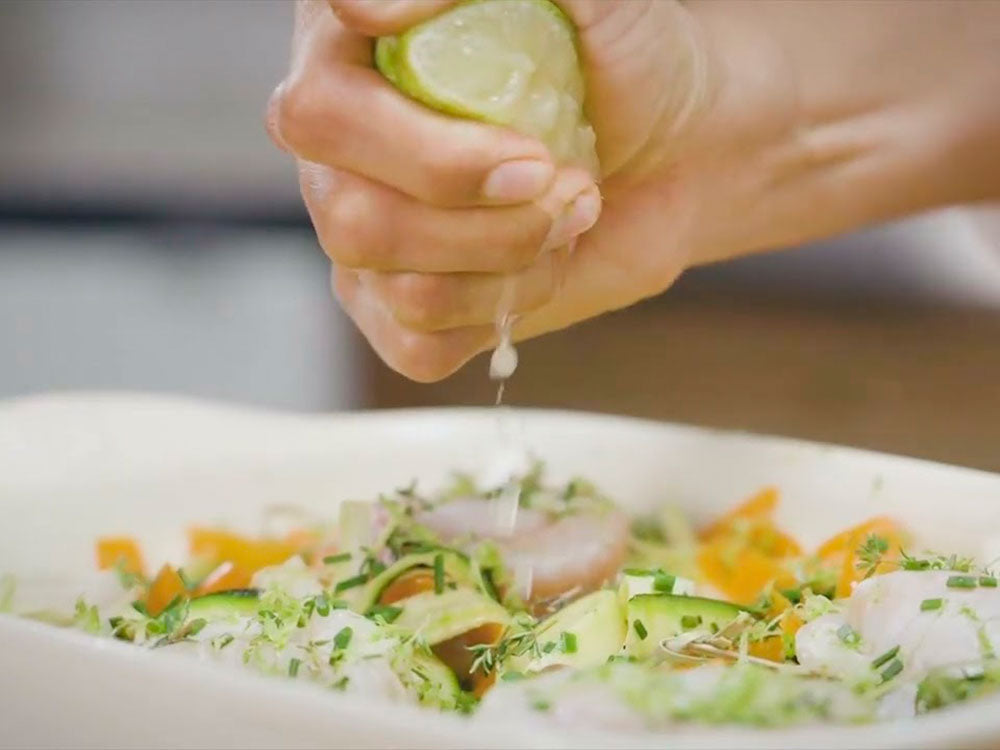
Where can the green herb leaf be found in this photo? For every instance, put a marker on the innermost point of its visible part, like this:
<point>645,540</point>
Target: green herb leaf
<point>334,559</point>
<point>690,622</point>
<point>293,667</point>
<point>640,630</point>
<point>439,573</point>
<point>894,668</point>
<point>664,582</point>
<point>961,582</point>
<point>848,635</point>
<point>568,643</point>
<point>888,655</point>
<point>350,583</point>
<point>988,581</point>
<point>929,605</point>
<point>387,612</point>
<point>343,638</point>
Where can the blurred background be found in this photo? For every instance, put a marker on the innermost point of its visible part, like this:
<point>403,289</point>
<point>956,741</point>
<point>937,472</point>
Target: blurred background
<point>151,238</point>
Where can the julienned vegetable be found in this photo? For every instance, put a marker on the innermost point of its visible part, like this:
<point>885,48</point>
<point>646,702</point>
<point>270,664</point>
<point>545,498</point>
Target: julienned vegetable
<point>419,598</point>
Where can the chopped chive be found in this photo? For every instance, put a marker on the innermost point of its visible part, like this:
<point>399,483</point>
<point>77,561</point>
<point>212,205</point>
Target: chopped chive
<point>420,675</point>
<point>569,643</point>
<point>894,668</point>
<point>334,559</point>
<point>848,635</point>
<point>540,704</point>
<point>439,573</point>
<point>890,654</point>
<point>224,640</point>
<point>343,637</point>
<point>640,630</point>
<point>341,684</point>
<point>293,667</point>
<point>929,605</point>
<point>689,622</point>
<point>664,582</point>
<point>386,611</point>
<point>961,582</point>
<point>322,605</point>
<point>488,585</point>
<point>338,604</point>
<point>713,627</point>
<point>988,581</point>
<point>350,583</point>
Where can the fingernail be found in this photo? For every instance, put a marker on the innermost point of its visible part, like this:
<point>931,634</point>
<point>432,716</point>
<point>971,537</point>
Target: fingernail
<point>518,180</point>
<point>575,219</point>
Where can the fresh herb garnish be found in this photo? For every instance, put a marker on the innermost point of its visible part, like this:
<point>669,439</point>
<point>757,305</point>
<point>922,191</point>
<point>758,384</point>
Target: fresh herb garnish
<point>343,638</point>
<point>848,635</point>
<point>293,667</point>
<point>878,661</point>
<point>894,668</point>
<point>386,612</point>
<point>334,559</point>
<point>988,581</point>
<point>439,573</point>
<point>664,582</point>
<point>568,642</point>
<point>870,554</point>
<point>690,622</point>
<point>961,582</point>
<point>350,583</point>
<point>640,630</point>
<point>929,605</point>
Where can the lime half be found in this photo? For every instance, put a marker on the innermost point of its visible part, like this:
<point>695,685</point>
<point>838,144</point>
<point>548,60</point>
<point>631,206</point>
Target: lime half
<point>507,62</point>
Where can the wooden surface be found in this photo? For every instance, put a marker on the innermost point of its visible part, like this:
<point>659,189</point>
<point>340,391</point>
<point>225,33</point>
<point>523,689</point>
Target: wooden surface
<point>910,380</point>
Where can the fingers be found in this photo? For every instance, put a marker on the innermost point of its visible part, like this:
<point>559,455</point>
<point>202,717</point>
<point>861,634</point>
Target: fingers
<point>363,224</point>
<point>385,17</point>
<point>335,109</point>
<point>440,302</point>
<point>421,356</point>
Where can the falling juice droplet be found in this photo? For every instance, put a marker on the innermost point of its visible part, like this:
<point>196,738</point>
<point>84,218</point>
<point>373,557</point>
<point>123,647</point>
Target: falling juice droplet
<point>503,362</point>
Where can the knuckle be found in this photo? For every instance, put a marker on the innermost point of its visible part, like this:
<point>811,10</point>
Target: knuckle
<point>425,357</point>
<point>349,229</point>
<point>447,170</point>
<point>421,301</point>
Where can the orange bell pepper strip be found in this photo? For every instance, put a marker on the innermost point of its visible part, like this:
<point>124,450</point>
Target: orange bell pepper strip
<point>741,573</point>
<point>123,550</point>
<point>841,550</point>
<point>226,577</point>
<point>843,542</point>
<point>166,587</point>
<point>757,508</point>
<point>246,553</point>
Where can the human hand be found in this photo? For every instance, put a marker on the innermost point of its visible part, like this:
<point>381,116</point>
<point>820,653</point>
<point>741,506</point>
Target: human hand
<point>722,128</point>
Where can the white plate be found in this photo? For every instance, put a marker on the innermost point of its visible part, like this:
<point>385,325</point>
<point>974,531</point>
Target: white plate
<point>74,467</point>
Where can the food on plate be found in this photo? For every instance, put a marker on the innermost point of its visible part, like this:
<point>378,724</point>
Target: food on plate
<point>550,603</point>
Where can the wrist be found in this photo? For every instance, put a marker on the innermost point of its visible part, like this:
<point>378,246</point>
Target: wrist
<point>835,115</point>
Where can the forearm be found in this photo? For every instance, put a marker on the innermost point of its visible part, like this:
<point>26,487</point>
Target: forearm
<point>885,108</point>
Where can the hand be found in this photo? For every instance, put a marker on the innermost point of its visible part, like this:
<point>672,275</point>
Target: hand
<point>722,128</point>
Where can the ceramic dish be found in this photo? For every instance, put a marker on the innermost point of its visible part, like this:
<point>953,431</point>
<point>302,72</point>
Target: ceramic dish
<point>75,467</point>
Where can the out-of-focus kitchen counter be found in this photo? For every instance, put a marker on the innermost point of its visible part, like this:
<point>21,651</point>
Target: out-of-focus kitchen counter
<point>903,378</point>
